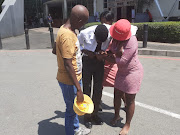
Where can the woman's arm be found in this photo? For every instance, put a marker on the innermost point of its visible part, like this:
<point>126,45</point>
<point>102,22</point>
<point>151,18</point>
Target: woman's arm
<point>109,56</point>
<point>119,51</point>
<point>129,51</point>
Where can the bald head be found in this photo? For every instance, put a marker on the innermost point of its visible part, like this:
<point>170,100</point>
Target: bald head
<point>79,16</point>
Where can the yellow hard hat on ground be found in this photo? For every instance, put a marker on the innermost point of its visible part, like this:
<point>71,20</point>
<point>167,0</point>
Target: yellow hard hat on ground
<point>86,106</point>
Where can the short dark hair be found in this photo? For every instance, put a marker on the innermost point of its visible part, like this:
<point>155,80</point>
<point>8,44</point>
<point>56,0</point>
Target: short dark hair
<point>103,14</point>
<point>101,33</point>
<point>108,15</point>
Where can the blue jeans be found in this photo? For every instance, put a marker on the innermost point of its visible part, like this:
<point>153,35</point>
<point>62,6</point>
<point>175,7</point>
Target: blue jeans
<point>71,118</point>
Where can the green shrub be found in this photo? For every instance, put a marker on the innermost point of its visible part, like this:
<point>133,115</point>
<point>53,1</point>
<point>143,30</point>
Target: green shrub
<point>167,32</point>
<point>91,24</point>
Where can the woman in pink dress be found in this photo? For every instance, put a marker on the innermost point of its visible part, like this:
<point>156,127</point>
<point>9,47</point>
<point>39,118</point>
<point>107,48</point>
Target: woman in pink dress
<point>130,71</point>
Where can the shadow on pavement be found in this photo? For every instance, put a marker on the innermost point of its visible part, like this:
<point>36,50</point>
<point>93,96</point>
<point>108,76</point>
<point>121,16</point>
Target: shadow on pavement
<point>106,107</point>
<point>51,128</point>
<point>106,116</point>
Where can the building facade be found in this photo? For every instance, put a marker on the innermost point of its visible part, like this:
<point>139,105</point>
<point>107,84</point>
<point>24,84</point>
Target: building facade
<point>122,8</point>
<point>60,9</point>
<point>12,18</point>
<point>161,10</point>
<point>164,10</point>
<point>128,9</point>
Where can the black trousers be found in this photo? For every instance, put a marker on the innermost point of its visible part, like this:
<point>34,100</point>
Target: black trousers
<point>93,69</point>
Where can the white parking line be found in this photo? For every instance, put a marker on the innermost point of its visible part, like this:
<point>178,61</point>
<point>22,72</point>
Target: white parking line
<point>152,108</point>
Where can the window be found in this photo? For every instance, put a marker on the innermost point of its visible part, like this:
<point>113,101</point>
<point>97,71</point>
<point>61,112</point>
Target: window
<point>105,3</point>
<point>86,3</point>
<point>90,7</point>
<point>179,5</point>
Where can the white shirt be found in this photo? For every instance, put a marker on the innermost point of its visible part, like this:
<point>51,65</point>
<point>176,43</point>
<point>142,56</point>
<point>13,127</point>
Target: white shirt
<point>88,41</point>
<point>133,30</point>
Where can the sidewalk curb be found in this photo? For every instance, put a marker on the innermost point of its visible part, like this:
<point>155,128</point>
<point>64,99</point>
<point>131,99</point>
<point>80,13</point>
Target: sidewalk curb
<point>170,53</point>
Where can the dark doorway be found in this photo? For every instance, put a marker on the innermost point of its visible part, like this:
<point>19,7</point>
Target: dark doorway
<point>129,12</point>
<point>118,13</point>
<point>57,15</point>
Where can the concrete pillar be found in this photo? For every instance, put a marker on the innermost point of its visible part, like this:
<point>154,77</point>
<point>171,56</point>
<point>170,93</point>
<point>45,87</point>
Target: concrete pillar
<point>94,6</point>
<point>124,12</point>
<point>114,10</point>
<point>46,11</point>
<point>65,10</point>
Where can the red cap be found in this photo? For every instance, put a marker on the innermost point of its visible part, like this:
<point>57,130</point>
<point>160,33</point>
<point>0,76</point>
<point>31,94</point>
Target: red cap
<point>121,30</point>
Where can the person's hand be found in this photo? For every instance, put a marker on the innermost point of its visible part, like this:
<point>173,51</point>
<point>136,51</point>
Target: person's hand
<point>80,96</point>
<point>108,54</point>
<point>118,54</point>
<point>100,55</point>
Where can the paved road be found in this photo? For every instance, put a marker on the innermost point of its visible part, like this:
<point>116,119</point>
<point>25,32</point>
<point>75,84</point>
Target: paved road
<point>40,39</point>
<point>31,102</point>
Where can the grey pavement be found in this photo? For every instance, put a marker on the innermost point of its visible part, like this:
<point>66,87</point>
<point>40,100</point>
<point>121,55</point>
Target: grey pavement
<point>40,39</point>
<point>160,49</point>
<point>31,101</point>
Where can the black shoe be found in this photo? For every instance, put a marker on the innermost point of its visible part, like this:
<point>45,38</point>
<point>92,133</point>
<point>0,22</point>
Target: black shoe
<point>97,120</point>
<point>88,123</point>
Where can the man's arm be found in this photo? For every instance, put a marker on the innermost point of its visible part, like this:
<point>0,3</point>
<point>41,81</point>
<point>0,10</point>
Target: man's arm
<point>89,53</point>
<point>67,52</point>
<point>69,67</point>
<point>54,48</point>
